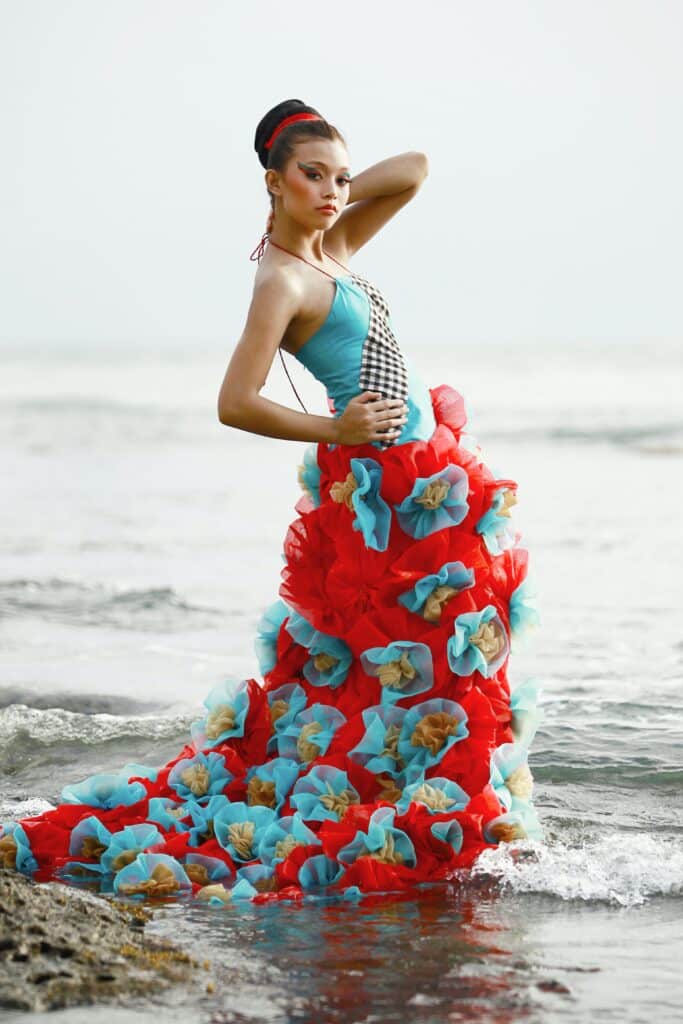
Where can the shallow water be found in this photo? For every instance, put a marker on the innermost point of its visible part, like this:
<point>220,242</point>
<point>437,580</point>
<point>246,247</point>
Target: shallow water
<point>135,563</point>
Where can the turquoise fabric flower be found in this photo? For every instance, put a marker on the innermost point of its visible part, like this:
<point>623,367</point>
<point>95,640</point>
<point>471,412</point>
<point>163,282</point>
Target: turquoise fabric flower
<point>435,502</point>
<point>519,823</point>
<point>308,474</point>
<point>373,515</point>
<point>202,816</point>
<point>255,874</point>
<point>240,827</point>
<point>285,704</point>
<point>330,658</point>
<point>242,890</point>
<point>152,874</point>
<point>319,871</point>
<point>495,526</point>
<point>377,749</point>
<point>228,706</point>
<point>430,729</point>
<point>204,870</point>
<point>310,733</point>
<point>438,794</point>
<point>124,846</point>
<point>324,794</point>
<point>511,777</point>
<point>524,615</point>
<point>142,771</point>
<point>267,630</point>
<point>200,777</point>
<point>15,849</point>
<point>479,643</point>
<point>282,836</point>
<point>451,574</point>
<point>282,771</point>
<point>167,813</point>
<point>89,840</point>
<point>105,791</point>
<point>449,832</point>
<point>403,667</point>
<point>526,714</point>
<point>381,840</point>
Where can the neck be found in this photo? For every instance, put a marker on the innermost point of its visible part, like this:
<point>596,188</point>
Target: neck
<point>293,236</point>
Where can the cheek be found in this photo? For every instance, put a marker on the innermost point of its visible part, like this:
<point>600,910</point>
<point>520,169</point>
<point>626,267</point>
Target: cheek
<point>301,187</point>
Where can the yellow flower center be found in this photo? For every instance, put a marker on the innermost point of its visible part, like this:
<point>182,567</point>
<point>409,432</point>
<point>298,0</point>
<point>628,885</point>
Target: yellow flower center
<point>507,831</point>
<point>434,494</point>
<point>197,779</point>
<point>341,491</point>
<point>434,798</point>
<point>307,750</point>
<point>397,673</point>
<point>8,852</point>
<point>285,846</point>
<point>241,836</point>
<point>389,790</point>
<point>490,640</point>
<point>324,662</point>
<point>277,709</point>
<point>434,604</point>
<point>216,890</point>
<point>338,803</point>
<point>391,745</point>
<point>509,499</point>
<point>433,730</point>
<point>388,854</point>
<point>261,792</point>
<point>92,848</point>
<point>521,782</point>
<point>161,882</point>
<point>125,858</point>
<point>221,719</point>
<point>197,873</point>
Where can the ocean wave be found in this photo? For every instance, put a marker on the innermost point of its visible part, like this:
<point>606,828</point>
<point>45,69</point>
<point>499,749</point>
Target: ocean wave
<point>625,869</point>
<point>651,438</point>
<point>57,726</point>
<point>94,604</point>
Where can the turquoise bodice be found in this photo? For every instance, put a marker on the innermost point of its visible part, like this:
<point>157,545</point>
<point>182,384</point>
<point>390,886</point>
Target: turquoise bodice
<point>333,355</point>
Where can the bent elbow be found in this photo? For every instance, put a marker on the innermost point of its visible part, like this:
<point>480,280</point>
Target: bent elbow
<point>233,412</point>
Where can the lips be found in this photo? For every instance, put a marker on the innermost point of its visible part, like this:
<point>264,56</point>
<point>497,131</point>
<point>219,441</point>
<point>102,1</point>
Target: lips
<point>332,209</point>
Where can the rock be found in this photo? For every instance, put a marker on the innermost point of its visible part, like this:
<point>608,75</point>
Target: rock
<point>60,947</point>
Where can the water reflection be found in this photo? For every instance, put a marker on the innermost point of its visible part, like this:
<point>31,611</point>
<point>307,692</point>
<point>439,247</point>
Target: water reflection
<point>453,954</point>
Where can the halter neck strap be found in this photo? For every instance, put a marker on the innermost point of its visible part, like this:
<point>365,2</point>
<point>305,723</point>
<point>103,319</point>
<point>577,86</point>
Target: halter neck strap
<point>271,242</point>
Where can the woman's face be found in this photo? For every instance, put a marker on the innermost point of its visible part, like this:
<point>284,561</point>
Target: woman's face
<point>317,175</point>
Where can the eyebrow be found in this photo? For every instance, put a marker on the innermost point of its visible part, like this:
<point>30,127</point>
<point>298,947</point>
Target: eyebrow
<point>321,164</point>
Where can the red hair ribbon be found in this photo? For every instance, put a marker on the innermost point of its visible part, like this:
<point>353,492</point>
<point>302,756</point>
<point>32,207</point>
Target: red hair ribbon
<point>291,120</point>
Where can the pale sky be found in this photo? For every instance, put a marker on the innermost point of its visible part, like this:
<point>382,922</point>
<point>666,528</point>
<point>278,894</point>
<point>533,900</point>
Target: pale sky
<point>131,196</point>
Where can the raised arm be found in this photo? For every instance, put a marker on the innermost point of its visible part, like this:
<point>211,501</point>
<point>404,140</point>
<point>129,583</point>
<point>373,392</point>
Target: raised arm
<point>375,196</point>
<point>275,300</point>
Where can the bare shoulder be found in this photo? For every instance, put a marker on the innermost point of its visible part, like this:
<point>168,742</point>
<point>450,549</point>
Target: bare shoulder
<point>278,284</point>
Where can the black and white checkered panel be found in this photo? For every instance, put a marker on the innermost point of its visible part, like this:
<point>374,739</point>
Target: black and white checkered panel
<point>382,366</point>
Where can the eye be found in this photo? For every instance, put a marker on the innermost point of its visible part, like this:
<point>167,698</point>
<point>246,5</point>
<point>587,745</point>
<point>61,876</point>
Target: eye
<point>313,174</point>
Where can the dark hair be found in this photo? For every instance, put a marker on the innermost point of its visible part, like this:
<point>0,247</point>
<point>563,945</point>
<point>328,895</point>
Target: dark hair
<point>283,147</point>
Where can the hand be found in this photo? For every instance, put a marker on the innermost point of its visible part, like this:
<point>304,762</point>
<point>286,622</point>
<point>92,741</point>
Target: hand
<point>369,417</point>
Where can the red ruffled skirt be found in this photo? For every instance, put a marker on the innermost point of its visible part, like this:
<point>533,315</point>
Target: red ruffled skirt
<point>366,760</point>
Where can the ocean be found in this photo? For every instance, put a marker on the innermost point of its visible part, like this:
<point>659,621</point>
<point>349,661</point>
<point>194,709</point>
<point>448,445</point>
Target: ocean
<point>140,541</point>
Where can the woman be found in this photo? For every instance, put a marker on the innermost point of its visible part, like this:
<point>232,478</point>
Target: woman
<point>383,749</point>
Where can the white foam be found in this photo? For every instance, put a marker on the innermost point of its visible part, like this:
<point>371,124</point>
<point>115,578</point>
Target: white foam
<point>56,724</point>
<point>624,868</point>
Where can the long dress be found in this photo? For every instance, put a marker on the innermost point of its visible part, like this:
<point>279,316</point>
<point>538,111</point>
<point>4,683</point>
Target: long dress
<point>382,750</point>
